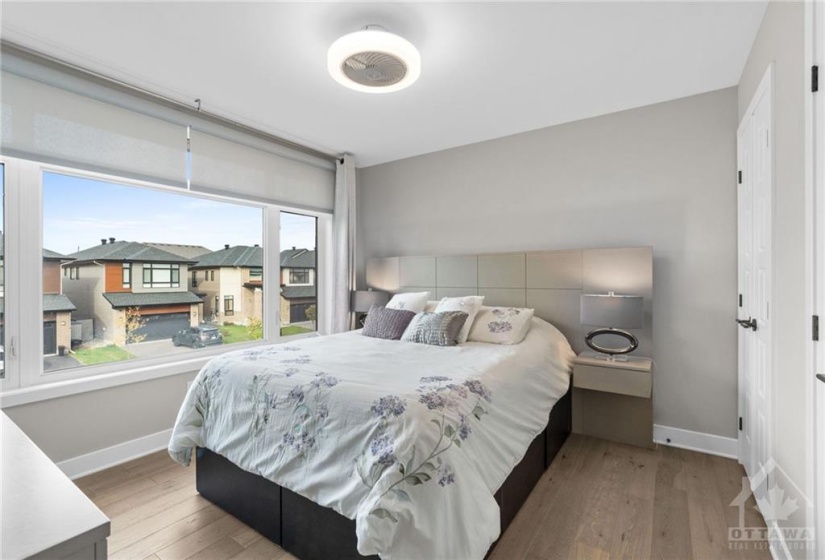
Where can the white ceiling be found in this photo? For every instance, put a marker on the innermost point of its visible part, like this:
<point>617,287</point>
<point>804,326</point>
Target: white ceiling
<point>488,69</point>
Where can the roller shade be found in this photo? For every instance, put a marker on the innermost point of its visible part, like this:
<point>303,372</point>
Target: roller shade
<point>220,165</point>
<point>57,113</point>
<point>49,124</point>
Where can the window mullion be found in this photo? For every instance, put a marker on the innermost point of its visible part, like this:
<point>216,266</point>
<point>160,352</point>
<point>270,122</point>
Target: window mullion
<point>27,261</point>
<point>272,273</point>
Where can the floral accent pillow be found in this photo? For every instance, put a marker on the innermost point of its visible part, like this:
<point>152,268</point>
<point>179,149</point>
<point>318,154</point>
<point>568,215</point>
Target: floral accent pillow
<point>501,325</point>
<point>413,301</point>
<point>468,304</point>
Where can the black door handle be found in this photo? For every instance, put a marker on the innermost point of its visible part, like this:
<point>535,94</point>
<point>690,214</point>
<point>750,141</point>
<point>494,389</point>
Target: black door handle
<point>747,323</point>
<point>821,377</point>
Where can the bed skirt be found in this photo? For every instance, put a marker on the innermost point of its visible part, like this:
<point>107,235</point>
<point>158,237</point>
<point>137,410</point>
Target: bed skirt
<point>313,532</point>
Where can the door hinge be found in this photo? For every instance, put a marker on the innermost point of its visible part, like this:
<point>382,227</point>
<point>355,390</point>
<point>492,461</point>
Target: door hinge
<point>740,423</point>
<point>815,327</point>
<point>814,78</point>
<point>740,300</point>
<point>740,177</point>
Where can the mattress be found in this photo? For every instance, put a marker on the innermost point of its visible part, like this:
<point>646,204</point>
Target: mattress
<point>409,440</point>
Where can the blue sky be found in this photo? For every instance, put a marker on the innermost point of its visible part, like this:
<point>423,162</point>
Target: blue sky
<point>79,212</point>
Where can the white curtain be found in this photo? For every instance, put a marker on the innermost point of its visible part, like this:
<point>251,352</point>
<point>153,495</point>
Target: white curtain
<point>343,242</point>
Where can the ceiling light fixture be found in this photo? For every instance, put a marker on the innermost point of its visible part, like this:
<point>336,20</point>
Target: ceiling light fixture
<point>374,60</point>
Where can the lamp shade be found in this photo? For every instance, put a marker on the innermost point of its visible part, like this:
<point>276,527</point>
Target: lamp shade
<point>610,310</point>
<point>362,300</point>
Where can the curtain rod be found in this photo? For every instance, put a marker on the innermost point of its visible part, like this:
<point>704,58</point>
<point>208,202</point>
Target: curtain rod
<point>30,54</point>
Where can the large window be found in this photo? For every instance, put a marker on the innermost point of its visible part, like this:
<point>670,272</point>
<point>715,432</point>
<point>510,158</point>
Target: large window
<point>123,298</point>
<point>299,265</point>
<point>229,306</point>
<point>161,275</point>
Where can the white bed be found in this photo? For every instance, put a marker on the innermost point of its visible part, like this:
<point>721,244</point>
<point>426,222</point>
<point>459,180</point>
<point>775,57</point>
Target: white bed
<point>410,440</point>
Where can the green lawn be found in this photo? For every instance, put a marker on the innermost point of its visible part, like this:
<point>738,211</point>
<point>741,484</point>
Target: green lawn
<point>236,333</point>
<point>290,330</point>
<point>101,355</point>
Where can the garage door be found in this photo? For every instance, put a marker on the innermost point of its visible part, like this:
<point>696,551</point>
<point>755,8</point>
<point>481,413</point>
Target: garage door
<point>298,312</point>
<point>49,338</point>
<point>160,327</point>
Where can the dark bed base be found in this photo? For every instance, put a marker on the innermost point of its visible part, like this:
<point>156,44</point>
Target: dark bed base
<point>313,532</point>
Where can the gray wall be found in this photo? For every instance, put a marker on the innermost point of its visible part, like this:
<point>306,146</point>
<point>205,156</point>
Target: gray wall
<point>68,427</point>
<point>781,40</point>
<point>662,175</point>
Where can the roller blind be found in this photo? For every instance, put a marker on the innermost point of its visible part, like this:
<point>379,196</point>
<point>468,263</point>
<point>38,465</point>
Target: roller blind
<point>221,165</point>
<point>57,113</point>
<point>45,123</point>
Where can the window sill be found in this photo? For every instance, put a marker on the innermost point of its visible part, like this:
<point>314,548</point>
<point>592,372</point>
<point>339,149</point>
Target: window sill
<point>134,373</point>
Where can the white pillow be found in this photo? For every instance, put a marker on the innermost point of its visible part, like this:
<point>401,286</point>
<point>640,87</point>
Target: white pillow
<point>469,305</point>
<point>431,305</point>
<point>501,325</point>
<point>414,301</point>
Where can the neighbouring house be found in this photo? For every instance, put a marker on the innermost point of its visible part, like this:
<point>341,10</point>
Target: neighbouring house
<point>230,281</point>
<point>297,285</point>
<point>108,280</point>
<point>57,307</point>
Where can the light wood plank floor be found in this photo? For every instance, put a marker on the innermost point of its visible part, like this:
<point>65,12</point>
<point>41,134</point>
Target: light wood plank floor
<point>599,500</point>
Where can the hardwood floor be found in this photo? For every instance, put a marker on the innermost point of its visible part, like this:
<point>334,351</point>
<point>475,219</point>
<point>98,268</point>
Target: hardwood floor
<point>599,500</point>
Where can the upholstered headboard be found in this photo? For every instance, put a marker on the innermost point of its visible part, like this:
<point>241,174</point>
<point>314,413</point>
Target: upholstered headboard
<point>551,282</point>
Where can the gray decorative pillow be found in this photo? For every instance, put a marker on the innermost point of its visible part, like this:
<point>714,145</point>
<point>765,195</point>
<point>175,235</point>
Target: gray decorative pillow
<point>386,323</point>
<point>437,329</point>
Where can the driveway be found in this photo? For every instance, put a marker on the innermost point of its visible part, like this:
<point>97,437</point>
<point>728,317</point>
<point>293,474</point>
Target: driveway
<point>52,363</point>
<point>156,348</point>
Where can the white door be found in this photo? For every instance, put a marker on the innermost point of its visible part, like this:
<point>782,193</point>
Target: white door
<point>745,232</point>
<point>755,197</point>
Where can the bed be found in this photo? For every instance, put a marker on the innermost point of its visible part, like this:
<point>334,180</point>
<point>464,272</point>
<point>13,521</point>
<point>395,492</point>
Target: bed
<point>346,445</point>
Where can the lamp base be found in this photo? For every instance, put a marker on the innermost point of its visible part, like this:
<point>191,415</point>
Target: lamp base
<point>612,352</point>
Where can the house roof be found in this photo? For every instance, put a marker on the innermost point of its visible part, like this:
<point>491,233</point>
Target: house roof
<point>48,254</point>
<point>185,251</point>
<point>128,251</point>
<point>57,302</point>
<point>51,303</point>
<point>125,299</point>
<point>298,258</point>
<point>237,256</point>
<point>296,292</point>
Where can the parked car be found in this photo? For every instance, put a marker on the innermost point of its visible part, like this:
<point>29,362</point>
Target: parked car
<point>198,337</point>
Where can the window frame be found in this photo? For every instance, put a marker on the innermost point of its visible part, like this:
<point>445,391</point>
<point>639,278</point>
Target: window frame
<point>126,275</point>
<point>25,380</point>
<point>228,306</point>
<point>303,271</point>
<point>157,284</point>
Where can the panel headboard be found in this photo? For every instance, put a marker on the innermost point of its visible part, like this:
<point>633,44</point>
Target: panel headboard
<point>551,282</point>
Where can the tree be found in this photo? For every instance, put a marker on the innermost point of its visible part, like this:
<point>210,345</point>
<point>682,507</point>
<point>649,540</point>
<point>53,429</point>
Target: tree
<point>134,322</point>
<point>255,327</point>
<point>311,313</point>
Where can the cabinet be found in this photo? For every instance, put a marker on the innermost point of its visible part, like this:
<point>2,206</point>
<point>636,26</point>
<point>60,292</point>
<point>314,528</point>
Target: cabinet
<point>614,399</point>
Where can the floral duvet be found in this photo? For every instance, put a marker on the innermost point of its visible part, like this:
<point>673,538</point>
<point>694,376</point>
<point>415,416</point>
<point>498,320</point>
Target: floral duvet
<point>410,440</point>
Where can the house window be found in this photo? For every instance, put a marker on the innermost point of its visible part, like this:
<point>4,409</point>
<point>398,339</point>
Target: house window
<point>194,278</point>
<point>299,276</point>
<point>161,275</point>
<point>127,275</point>
<point>212,275</point>
<point>256,273</point>
<point>229,305</point>
<point>217,304</point>
<point>74,273</point>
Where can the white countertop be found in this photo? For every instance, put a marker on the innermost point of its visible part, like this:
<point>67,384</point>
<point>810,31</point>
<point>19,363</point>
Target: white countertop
<point>41,507</point>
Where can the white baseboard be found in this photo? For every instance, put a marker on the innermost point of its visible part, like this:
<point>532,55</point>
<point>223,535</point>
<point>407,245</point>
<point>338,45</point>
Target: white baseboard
<point>115,455</point>
<point>696,441</point>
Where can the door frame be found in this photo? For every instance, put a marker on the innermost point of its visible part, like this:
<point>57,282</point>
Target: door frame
<point>815,272</point>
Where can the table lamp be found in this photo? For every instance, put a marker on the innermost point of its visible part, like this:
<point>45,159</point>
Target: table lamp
<point>612,314</point>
